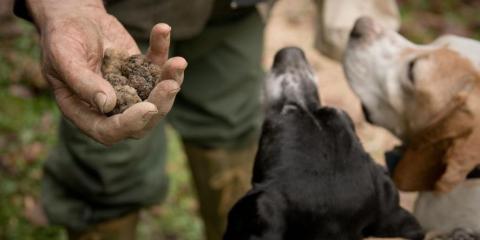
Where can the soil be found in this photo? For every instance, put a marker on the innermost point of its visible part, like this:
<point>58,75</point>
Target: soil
<point>132,77</point>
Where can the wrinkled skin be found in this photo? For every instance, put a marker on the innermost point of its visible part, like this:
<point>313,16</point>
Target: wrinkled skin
<point>74,36</point>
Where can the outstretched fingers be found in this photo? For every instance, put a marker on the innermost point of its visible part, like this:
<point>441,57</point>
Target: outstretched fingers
<point>174,68</point>
<point>129,124</point>
<point>106,130</point>
<point>164,93</point>
<point>159,44</point>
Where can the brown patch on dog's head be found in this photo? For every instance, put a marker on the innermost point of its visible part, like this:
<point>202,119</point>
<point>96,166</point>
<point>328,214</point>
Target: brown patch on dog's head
<point>443,104</point>
<point>437,79</point>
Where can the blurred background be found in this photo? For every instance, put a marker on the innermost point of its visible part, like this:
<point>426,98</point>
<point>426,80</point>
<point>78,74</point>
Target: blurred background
<point>28,114</point>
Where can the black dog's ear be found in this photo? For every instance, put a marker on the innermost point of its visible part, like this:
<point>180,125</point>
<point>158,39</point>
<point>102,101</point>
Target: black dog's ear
<point>392,220</point>
<point>256,216</point>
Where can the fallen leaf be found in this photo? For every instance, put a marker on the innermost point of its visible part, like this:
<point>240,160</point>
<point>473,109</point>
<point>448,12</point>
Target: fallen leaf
<point>33,151</point>
<point>19,90</point>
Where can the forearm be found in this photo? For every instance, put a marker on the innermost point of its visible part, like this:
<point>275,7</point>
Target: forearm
<point>44,11</point>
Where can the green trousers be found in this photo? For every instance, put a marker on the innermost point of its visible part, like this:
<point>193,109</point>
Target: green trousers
<point>218,107</point>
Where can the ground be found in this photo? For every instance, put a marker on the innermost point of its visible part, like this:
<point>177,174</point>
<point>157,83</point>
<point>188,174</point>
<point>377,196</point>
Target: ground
<point>28,115</point>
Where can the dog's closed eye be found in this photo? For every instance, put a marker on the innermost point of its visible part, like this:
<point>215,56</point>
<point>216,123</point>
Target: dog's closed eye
<point>411,70</point>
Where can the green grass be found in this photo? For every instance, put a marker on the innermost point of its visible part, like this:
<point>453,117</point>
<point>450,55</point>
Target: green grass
<point>176,218</point>
<point>24,122</point>
<point>29,123</point>
<point>424,20</point>
<point>21,127</point>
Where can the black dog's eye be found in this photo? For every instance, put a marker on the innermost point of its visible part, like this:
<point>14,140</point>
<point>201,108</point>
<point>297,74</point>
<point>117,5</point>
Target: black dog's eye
<point>411,69</point>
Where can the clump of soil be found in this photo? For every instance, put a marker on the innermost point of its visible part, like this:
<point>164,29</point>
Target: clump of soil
<point>132,77</point>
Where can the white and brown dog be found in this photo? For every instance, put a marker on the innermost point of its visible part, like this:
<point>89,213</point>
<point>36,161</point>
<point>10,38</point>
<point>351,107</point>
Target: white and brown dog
<point>429,97</point>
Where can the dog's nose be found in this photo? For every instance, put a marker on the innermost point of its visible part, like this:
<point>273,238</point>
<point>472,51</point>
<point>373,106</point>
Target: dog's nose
<point>291,81</point>
<point>289,56</point>
<point>363,27</point>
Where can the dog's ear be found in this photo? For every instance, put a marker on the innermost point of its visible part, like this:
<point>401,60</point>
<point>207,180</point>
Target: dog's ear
<point>431,151</point>
<point>461,158</point>
<point>258,216</point>
<point>392,220</point>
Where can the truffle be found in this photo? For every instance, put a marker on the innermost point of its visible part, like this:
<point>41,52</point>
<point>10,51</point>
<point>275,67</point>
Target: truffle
<point>132,77</point>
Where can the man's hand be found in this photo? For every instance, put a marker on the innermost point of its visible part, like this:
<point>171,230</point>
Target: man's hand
<point>74,36</point>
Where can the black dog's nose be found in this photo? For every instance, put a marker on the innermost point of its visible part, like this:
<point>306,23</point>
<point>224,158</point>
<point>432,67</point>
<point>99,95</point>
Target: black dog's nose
<point>291,81</point>
<point>362,26</point>
<point>289,56</point>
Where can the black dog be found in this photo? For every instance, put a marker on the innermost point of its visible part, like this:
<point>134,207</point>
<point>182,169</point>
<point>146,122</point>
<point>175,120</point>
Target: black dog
<point>312,178</point>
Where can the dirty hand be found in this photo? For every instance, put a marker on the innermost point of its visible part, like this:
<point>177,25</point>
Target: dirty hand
<point>74,36</point>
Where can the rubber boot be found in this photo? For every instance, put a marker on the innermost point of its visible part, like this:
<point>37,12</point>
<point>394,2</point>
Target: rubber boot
<point>221,177</point>
<point>123,228</point>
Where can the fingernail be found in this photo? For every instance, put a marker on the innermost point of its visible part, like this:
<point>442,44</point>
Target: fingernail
<point>101,100</point>
<point>173,92</point>
<point>184,67</point>
<point>168,30</point>
<point>180,72</point>
<point>178,77</point>
<point>147,116</point>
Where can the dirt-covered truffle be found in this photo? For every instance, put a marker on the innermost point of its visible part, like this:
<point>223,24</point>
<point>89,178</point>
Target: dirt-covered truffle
<point>112,61</point>
<point>132,77</point>
<point>126,97</point>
